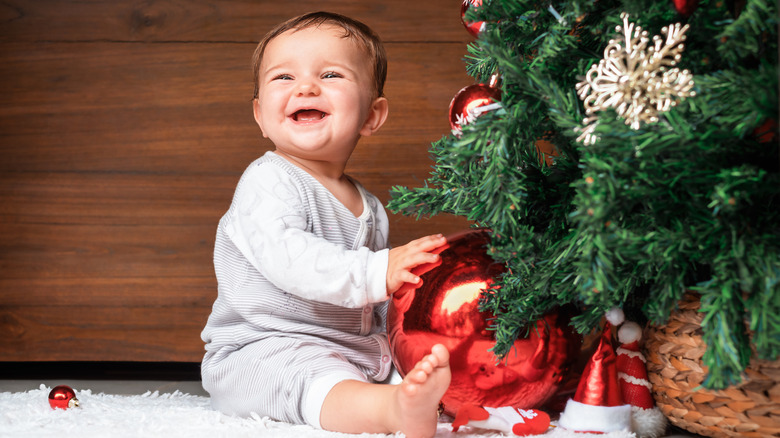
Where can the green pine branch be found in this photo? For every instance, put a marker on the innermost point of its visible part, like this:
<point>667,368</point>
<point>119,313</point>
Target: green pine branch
<point>642,216</point>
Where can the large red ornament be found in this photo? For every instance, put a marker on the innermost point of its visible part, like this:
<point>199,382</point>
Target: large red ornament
<point>473,27</point>
<point>63,397</point>
<point>444,310</point>
<point>471,101</point>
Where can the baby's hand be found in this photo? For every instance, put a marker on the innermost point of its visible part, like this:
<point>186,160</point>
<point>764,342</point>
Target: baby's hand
<point>403,259</point>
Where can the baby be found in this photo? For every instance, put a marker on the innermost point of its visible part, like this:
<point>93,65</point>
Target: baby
<point>304,273</point>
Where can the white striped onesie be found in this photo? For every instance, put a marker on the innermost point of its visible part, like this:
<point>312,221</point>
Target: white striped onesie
<point>302,296</point>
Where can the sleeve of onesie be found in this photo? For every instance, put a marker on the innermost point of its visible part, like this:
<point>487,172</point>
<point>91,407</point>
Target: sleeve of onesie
<point>268,225</point>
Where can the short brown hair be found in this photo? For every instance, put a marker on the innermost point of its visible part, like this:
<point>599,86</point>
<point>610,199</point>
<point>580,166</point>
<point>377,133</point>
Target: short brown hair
<point>353,29</point>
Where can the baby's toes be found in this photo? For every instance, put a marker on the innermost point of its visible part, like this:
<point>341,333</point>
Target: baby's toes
<point>431,360</point>
<point>417,376</point>
<point>426,365</point>
<point>440,354</point>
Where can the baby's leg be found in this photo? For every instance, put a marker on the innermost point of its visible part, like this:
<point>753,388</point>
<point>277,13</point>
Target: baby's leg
<point>411,407</point>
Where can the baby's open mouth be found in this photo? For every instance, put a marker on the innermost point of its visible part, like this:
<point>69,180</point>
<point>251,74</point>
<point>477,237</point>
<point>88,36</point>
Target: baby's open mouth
<point>308,115</point>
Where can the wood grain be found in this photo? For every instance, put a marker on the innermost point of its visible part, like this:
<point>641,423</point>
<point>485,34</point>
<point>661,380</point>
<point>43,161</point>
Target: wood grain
<point>133,291</point>
<point>73,198</point>
<point>124,127</point>
<point>76,333</point>
<point>184,108</point>
<point>210,21</point>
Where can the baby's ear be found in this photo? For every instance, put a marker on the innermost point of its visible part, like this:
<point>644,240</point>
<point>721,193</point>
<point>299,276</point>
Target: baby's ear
<point>376,116</point>
<point>256,111</point>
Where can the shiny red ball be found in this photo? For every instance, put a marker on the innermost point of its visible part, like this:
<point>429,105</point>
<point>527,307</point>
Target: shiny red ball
<point>767,131</point>
<point>686,7</point>
<point>469,99</point>
<point>473,27</point>
<point>445,310</point>
<point>63,397</point>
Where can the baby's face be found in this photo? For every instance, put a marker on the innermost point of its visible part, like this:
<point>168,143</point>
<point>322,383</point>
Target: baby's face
<point>315,93</point>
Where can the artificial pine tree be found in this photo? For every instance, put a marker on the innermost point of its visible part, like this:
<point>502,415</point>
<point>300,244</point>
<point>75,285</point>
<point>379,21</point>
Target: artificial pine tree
<point>639,204</point>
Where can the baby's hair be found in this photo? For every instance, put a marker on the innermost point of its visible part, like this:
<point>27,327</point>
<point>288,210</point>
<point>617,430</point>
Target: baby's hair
<point>353,29</point>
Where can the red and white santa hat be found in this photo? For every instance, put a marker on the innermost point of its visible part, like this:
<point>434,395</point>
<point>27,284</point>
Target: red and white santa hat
<point>647,420</point>
<point>631,366</point>
<point>598,404</point>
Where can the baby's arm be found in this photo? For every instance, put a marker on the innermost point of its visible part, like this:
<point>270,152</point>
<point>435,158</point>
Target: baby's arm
<point>403,259</point>
<point>269,224</point>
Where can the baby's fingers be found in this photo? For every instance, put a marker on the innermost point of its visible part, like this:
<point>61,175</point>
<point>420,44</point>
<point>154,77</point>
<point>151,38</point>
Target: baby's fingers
<point>406,277</point>
<point>428,243</point>
<point>427,267</point>
<point>420,258</point>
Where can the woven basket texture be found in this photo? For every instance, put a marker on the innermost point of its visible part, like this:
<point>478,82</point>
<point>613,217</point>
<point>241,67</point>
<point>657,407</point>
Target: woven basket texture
<point>674,367</point>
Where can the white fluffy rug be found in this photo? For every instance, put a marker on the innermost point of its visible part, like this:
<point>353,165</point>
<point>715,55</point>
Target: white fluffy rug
<point>27,414</point>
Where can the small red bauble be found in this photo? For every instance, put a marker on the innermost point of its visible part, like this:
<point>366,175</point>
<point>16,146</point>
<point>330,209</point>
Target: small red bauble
<point>445,310</point>
<point>686,7</point>
<point>473,27</point>
<point>470,102</point>
<point>767,131</point>
<point>63,397</point>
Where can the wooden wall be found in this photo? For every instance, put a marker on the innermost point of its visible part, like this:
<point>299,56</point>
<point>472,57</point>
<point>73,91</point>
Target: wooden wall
<point>124,127</point>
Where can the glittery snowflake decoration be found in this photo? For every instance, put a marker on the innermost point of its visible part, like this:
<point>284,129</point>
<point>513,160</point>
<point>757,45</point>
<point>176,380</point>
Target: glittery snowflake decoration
<point>638,80</point>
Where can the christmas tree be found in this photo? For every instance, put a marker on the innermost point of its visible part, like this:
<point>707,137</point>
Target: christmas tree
<point>621,169</point>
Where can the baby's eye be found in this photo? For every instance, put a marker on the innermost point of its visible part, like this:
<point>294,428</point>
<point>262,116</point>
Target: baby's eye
<point>283,76</point>
<point>331,75</point>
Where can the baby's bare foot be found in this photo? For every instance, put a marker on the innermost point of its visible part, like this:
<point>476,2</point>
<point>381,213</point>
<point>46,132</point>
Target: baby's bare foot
<point>418,396</point>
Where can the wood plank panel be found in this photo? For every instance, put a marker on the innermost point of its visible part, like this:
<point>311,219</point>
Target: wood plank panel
<point>77,333</point>
<point>114,199</point>
<point>107,292</point>
<point>223,20</point>
<point>172,108</point>
<point>90,251</point>
<point>124,107</point>
<point>124,127</point>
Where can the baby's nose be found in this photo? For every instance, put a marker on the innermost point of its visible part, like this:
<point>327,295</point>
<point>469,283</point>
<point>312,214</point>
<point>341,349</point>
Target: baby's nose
<point>308,87</point>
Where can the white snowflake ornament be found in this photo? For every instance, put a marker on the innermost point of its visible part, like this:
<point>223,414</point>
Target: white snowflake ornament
<point>638,80</point>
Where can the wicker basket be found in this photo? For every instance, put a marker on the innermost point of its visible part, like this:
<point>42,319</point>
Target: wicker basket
<point>674,367</point>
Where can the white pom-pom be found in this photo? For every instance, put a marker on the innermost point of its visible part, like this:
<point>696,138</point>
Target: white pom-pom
<point>615,316</point>
<point>629,332</point>
<point>648,423</point>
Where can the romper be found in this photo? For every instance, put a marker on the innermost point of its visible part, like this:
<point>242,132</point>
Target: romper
<point>302,296</point>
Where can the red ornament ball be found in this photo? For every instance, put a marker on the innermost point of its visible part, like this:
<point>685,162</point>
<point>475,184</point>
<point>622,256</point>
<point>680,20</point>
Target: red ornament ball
<point>445,310</point>
<point>686,7</point>
<point>63,397</point>
<point>473,27</point>
<point>470,102</point>
<point>767,131</point>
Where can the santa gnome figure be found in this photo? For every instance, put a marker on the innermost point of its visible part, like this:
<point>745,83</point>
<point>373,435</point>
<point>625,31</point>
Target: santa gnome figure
<point>597,405</point>
<point>647,421</point>
<point>506,419</point>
